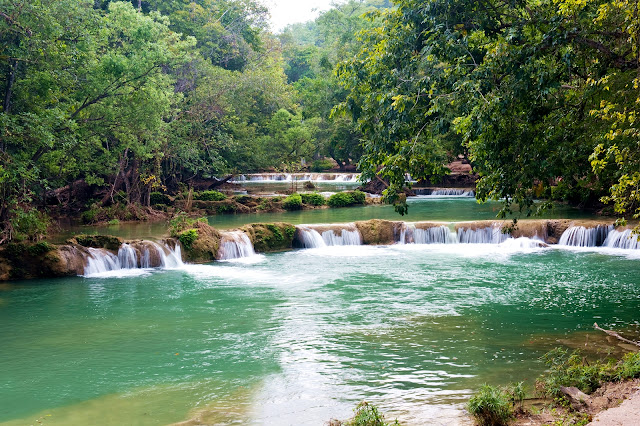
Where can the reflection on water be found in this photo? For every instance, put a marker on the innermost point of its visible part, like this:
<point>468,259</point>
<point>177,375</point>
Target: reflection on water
<point>303,336</point>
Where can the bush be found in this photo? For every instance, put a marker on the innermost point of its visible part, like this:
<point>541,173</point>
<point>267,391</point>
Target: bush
<point>181,222</point>
<point>367,415</point>
<point>29,224</point>
<point>210,196</point>
<point>322,165</point>
<point>490,406</point>
<point>313,199</point>
<point>292,202</point>
<point>188,237</point>
<point>156,198</point>
<point>114,222</point>
<point>340,199</point>
<point>359,197</point>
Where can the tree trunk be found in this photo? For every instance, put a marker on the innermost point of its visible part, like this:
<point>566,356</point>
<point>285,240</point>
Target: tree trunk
<point>6,104</point>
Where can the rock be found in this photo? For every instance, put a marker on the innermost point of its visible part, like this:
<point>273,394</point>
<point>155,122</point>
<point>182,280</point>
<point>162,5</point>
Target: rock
<point>378,232</point>
<point>270,237</point>
<point>205,247</point>
<point>108,242</point>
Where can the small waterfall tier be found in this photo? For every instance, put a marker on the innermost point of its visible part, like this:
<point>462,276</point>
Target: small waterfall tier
<point>579,236</point>
<point>142,254</point>
<point>235,245</point>
<point>487,235</point>
<point>299,177</point>
<point>316,236</point>
<point>446,192</point>
<point>622,239</point>
<point>414,234</point>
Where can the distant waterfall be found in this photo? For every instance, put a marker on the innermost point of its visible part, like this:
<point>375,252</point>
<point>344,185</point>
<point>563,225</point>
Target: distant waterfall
<point>143,254</point>
<point>299,177</point>
<point>579,236</point>
<point>339,235</point>
<point>488,235</point>
<point>447,192</point>
<point>235,245</point>
<point>410,234</point>
<point>622,239</point>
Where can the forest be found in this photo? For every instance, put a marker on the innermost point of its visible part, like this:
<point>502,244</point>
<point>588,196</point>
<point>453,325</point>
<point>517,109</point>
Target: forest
<point>122,99</point>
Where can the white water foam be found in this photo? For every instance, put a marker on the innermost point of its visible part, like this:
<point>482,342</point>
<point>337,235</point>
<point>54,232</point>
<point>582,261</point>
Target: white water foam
<point>342,235</point>
<point>579,236</point>
<point>235,245</point>
<point>102,263</point>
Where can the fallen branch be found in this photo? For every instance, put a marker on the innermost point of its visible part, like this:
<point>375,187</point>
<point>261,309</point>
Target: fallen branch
<point>616,335</point>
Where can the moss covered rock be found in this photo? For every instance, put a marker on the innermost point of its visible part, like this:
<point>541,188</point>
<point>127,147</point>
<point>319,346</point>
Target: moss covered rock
<point>206,245</point>
<point>378,232</point>
<point>108,242</point>
<point>269,237</point>
<point>40,260</point>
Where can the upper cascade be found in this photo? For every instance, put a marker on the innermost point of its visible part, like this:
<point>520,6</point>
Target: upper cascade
<point>315,236</point>
<point>299,177</point>
<point>622,239</point>
<point>235,245</point>
<point>579,236</point>
<point>447,192</point>
<point>143,254</point>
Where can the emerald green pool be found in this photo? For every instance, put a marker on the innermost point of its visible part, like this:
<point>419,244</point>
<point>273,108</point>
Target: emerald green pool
<point>301,337</point>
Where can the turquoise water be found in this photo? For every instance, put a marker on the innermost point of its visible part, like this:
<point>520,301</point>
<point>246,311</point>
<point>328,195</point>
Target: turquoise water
<point>300,337</point>
<point>447,209</point>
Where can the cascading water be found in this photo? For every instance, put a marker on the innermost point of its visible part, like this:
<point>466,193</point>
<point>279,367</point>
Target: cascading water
<point>579,236</point>
<point>152,255</point>
<point>488,235</point>
<point>300,177</point>
<point>235,245</point>
<point>341,235</point>
<point>622,239</point>
<point>448,192</point>
<point>410,234</point>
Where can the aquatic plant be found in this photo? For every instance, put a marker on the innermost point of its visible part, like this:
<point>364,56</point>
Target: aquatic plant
<point>367,415</point>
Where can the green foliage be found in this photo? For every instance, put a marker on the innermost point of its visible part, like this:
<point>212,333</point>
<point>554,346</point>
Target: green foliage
<point>359,197</point>
<point>181,222</point>
<point>29,224</point>
<point>313,199</point>
<point>290,231</point>
<point>114,222</point>
<point>39,248</point>
<point>292,202</point>
<point>156,198</point>
<point>367,415</point>
<point>573,369</point>
<point>321,165</point>
<point>188,237</point>
<point>210,196</point>
<point>340,199</point>
<point>491,406</point>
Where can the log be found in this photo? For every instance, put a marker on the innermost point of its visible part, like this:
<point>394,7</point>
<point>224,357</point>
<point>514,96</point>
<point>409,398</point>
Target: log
<point>616,335</point>
<point>579,400</point>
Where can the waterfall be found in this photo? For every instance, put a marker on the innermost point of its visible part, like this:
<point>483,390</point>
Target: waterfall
<point>410,234</point>
<point>300,177</point>
<point>235,245</point>
<point>449,192</point>
<point>144,254</point>
<point>622,239</point>
<point>309,236</point>
<point>488,235</point>
<point>579,236</point>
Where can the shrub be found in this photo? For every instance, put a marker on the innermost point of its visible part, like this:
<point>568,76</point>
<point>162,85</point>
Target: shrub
<point>313,199</point>
<point>39,248</point>
<point>113,222</point>
<point>322,165</point>
<point>181,222</point>
<point>156,198</point>
<point>359,197</point>
<point>367,415</point>
<point>490,406</point>
<point>340,199</point>
<point>292,202</point>
<point>188,237</point>
<point>29,224</point>
<point>210,196</point>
